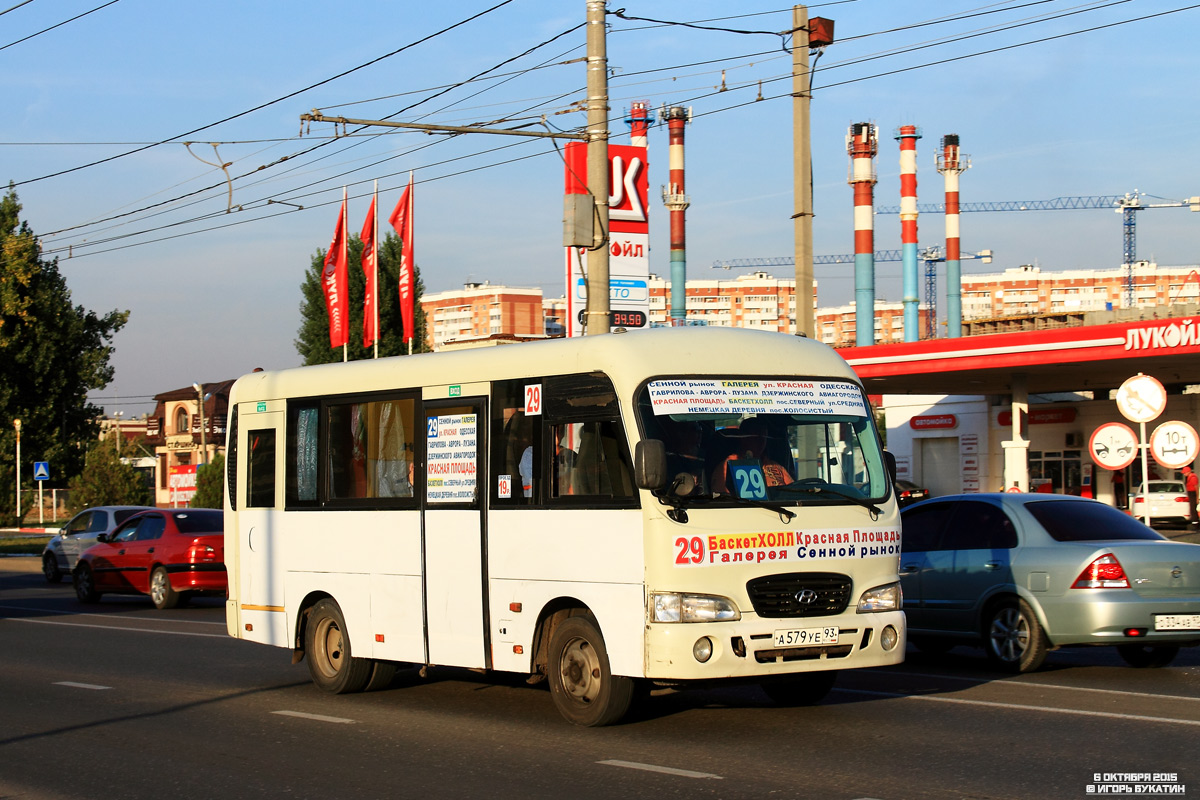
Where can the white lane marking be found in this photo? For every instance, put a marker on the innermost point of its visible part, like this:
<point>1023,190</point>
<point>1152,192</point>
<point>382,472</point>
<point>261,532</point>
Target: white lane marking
<point>172,620</point>
<point>1020,707</point>
<point>317,717</point>
<point>75,685</point>
<point>682,773</point>
<point>114,628</point>
<point>1035,684</point>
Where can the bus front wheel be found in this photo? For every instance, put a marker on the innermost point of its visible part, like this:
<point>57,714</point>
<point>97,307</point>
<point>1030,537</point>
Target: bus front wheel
<point>327,645</point>
<point>583,687</point>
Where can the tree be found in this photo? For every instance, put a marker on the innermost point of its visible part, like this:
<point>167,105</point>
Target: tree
<point>106,480</point>
<point>52,353</point>
<point>210,484</point>
<point>312,342</point>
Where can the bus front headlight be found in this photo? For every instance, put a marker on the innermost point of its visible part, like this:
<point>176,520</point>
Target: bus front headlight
<point>679,607</point>
<point>881,598</point>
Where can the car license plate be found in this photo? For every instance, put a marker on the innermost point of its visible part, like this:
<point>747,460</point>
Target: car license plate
<point>802,637</point>
<point>1176,622</point>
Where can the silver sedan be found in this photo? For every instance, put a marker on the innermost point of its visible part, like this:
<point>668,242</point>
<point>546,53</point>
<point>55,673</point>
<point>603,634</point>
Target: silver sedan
<point>62,551</point>
<point>1023,574</point>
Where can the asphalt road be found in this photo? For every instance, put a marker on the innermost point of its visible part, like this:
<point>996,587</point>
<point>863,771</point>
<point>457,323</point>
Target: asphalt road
<point>119,700</point>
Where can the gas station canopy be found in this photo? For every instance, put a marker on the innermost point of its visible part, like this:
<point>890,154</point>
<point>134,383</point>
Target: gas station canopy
<point>1093,358</point>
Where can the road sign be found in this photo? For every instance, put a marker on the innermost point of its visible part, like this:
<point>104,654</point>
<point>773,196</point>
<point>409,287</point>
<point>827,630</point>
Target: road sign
<point>1141,398</point>
<point>41,470</point>
<point>1113,445</point>
<point>1173,444</point>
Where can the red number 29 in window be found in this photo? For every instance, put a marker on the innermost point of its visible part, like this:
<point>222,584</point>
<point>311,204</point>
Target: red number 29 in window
<point>533,399</point>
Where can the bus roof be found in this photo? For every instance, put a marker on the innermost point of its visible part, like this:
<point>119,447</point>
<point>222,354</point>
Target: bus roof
<point>626,357</point>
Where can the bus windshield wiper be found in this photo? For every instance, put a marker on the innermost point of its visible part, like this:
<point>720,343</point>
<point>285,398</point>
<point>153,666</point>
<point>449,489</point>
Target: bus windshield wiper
<point>779,508</point>
<point>820,487</point>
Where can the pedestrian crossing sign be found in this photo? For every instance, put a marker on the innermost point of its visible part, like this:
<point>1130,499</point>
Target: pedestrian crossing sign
<point>41,470</point>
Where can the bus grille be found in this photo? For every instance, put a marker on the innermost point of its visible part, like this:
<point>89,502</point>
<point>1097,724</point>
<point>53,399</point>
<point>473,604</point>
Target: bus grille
<point>800,594</point>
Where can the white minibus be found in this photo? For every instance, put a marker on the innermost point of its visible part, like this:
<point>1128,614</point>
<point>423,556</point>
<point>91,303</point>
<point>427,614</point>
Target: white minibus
<point>668,507</point>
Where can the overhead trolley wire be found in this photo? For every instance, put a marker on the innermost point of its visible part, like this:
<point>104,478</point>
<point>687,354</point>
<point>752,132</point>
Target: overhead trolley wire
<point>304,152</point>
<point>261,106</point>
<point>52,27</point>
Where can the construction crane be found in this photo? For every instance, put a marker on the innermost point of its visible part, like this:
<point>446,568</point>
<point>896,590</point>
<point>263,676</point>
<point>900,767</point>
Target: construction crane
<point>1127,205</point>
<point>788,261</point>
<point>932,256</point>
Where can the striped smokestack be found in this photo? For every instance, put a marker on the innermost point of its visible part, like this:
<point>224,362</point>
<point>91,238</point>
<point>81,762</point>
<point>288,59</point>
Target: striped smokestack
<point>908,135</point>
<point>676,201</point>
<point>952,163</point>
<point>862,144</point>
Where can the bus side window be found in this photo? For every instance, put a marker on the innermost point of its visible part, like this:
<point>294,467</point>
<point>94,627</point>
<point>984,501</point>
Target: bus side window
<point>588,460</point>
<point>517,447</point>
<point>302,455</point>
<point>589,454</point>
<point>261,469</point>
<point>369,452</point>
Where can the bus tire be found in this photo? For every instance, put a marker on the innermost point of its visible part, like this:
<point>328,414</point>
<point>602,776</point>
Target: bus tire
<point>805,689</point>
<point>330,658</point>
<point>583,687</point>
<point>382,674</point>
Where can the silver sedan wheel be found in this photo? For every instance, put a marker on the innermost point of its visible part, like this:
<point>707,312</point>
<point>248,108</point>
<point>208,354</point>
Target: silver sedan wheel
<point>1015,639</point>
<point>1010,635</point>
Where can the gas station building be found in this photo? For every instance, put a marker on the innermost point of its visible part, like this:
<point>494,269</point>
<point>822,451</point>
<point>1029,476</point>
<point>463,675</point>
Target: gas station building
<point>982,413</point>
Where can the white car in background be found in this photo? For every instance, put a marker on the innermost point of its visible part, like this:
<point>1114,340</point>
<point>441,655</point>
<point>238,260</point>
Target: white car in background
<point>1164,502</point>
<point>62,552</point>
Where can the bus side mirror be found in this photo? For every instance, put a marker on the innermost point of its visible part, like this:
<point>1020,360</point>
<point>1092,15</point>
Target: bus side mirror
<point>650,464</point>
<point>889,458</point>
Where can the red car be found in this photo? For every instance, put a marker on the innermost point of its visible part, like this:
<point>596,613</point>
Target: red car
<point>169,554</point>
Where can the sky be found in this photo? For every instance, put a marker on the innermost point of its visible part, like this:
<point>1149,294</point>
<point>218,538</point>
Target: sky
<point>1050,98</point>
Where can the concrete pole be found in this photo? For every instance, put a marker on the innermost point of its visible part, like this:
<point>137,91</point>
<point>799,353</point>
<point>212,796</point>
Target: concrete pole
<point>806,323</point>
<point>596,319</point>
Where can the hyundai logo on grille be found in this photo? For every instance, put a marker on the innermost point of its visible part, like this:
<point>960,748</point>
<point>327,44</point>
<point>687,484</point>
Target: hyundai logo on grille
<point>806,596</point>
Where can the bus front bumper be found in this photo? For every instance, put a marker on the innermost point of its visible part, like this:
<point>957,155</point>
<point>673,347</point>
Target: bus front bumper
<point>758,647</point>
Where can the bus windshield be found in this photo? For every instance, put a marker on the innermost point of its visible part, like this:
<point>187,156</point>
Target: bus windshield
<point>790,440</point>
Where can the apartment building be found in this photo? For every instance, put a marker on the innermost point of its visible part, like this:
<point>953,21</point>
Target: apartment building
<point>482,310</point>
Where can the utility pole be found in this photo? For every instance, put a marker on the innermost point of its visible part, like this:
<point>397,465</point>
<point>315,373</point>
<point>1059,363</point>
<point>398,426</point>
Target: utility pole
<point>806,324</point>
<point>596,318</point>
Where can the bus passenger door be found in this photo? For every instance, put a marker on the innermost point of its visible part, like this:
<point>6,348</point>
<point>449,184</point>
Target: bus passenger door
<point>453,535</point>
<point>259,571</point>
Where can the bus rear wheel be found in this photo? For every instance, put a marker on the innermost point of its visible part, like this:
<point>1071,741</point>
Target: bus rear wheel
<point>327,646</point>
<point>581,682</point>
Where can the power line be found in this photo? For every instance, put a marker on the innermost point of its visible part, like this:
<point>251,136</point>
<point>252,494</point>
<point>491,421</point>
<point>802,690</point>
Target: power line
<point>323,144</point>
<point>270,103</point>
<point>291,193</point>
<point>52,27</point>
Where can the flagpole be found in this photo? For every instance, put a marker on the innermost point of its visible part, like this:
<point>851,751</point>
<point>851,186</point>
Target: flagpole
<point>345,260</point>
<point>375,266</point>
<point>411,267</point>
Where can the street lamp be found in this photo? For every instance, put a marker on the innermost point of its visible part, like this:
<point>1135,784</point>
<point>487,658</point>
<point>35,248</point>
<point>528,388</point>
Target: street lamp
<point>199,387</point>
<point>17,425</point>
<point>120,434</point>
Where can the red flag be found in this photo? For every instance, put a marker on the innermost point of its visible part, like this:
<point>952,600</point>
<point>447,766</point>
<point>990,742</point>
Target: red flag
<point>333,280</point>
<point>368,265</point>
<point>402,221</point>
